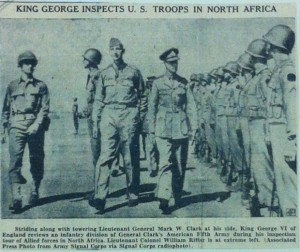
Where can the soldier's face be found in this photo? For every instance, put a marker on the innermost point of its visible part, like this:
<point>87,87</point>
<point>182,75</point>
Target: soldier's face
<point>116,52</point>
<point>27,67</point>
<point>172,66</point>
<point>86,63</point>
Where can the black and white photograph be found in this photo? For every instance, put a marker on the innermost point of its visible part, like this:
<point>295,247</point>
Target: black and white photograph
<point>144,123</point>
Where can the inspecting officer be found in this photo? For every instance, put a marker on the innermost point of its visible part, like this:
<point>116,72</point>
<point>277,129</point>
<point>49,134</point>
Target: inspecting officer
<point>120,102</point>
<point>173,112</point>
<point>25,115</point>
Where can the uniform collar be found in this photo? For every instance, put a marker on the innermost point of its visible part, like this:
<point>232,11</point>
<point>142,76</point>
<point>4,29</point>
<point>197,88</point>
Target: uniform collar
<point>120,66</point>
<point>28,81</point>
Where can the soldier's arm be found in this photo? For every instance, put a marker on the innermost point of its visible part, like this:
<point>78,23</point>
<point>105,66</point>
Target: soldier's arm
<point>98,102</point>
<point>45,105</point>
<point>6,109</point>
<point>5,115</point>
<point>289,88</point>
<point>142,94</point>
<point>152,108</point>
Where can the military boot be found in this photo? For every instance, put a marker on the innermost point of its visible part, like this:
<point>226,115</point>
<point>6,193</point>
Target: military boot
<point>34,194</point>
<point>16,204</point>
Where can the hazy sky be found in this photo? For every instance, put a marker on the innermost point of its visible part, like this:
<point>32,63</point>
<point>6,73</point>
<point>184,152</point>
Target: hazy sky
<point>59,44</point>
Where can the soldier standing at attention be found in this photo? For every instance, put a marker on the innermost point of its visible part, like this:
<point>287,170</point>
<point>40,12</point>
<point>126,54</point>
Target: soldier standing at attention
<point>25,114</point>
<point>120,102</point>
<point>173,112</point>
<point>75,115</point>
<point>91,59</point>
<point>283,115</point>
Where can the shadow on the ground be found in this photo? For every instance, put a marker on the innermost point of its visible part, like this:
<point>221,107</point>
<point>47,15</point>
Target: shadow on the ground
<point>205,197</point>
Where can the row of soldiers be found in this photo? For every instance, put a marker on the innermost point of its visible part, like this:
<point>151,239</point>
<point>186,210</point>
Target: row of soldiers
<point>247,121</point>
<point>242,111</point>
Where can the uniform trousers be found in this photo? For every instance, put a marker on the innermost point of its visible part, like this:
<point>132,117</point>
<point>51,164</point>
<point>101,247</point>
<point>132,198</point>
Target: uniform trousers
<point>261,163</point>
<point>236,151</point>
<point>119,134</point>
<point>285,177</point>
<point>18,138</point>
<point>173,155</point>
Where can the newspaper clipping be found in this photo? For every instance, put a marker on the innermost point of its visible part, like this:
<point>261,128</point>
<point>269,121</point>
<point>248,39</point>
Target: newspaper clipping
<point>148,126</point>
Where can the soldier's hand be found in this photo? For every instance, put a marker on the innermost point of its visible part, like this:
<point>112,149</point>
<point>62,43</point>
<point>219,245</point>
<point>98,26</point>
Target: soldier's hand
<point>152,138</point>
<point>95,131</point>
<point>33,129</point>
<point>3,138</point>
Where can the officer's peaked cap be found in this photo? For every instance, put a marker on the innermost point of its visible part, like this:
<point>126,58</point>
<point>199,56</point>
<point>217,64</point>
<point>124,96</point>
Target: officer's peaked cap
<point>170,55</point>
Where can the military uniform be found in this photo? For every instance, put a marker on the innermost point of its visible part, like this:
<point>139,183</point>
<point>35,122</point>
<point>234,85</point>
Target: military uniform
<point>92,80</point>
<point>255,95</point>
<point>173,112</point>
<point>283,123</point>
<point>232,113</point>
<point>150,145</point>
<point>26,105</point>
<point>222,97</point>
<point>120,101</point>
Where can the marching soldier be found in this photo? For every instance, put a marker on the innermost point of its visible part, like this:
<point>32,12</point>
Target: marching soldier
<point>120,101</point>
<point>75,115</point>
<point>282,115</point>
<point>173,112</point>
<point>25,115</point>
<point>91,59</point>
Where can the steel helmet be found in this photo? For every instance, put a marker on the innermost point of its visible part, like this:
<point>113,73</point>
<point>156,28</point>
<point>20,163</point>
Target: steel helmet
<point>27,55</point>
<point>213,73</point>
<point>232,67</point>
<point>281,36</point>
<point>245,61</point>
<point>258,48</point>
<point>93,55</point>
<point>193,77</point>
<point>219,72</point>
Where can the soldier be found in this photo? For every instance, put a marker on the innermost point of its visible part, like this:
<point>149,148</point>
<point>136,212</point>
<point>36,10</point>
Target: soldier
<point>120,102</point>
<point>25,114</point>
<point>173,112</point>
<point>195,87</point>
<point>150,149</point>
<point>75,115</point>
<point>91,59</point>
<point>282,115</point>
<point>211,122</point>
<point>255,93</point>
<point>221,100</point>
<point>245,63</point>
<point>236,152</point>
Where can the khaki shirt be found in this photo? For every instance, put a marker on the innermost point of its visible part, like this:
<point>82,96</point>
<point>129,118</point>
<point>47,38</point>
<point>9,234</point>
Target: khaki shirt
<point>120,87</point>
<point>172,109</point>
<point>25,103</point>
<point>283,98</point>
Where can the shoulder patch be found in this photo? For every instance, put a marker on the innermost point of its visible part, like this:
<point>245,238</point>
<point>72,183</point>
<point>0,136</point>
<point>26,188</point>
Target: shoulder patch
<point>291,77</point>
